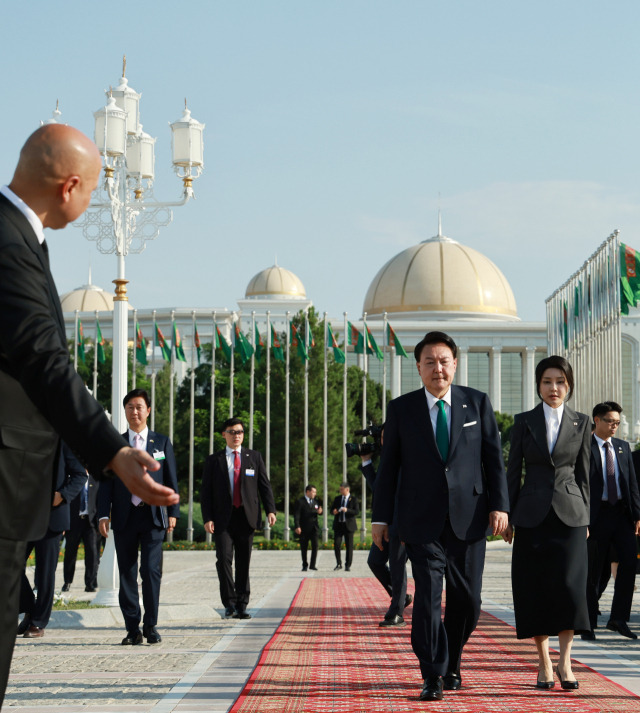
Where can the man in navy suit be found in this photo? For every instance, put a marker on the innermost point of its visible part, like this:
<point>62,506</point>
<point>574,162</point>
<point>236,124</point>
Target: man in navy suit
<point>614,518</point>
<point>233,482</point>
<point>441,465</point>
<point>37,610</point>
<point>139,525</point>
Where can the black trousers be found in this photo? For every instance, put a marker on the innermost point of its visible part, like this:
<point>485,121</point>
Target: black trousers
<point>89,536</point>
<point>140,532</point>
<point>11,569</point>
<point>389,566</point>
<point>238,537</point>
<point>47,551</point>
<point>438,644</point>
<point>339,532</point>
<point>306,537</point>
<point>614,526</point>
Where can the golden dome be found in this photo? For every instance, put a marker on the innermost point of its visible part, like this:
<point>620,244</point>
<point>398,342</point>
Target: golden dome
<point>88,298</point>
<point>275,283</point>
<point>441,277</point>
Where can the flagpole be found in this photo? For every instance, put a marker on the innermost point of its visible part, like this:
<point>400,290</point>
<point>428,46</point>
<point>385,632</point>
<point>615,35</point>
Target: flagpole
<point>306,399</point>
<point>267,529</point>
<point>212,408</point>
<point>253,371</point>
<point>192,428</point>
<point>171,377</point>
<point>95,362</point>
<point>153,373</point>
<point>344,401</point>
<point>135,343</point>
<point>325,439</point>
<point>232,365</point>
<point>384,367</point>
<point>365,362</point>
<point>286,435</point>
<point>75,345</point>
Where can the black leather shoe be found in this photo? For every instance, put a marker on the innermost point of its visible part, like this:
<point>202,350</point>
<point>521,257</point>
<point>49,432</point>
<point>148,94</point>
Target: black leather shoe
<point>408,600</point>
<point>34,632</point>
<point>151,634</point>
<point>567,685</point>
<point>242,614</point>
<point>396,620</point>
<point>315,569</point>
<point>588,636</point>
<point>432,689</point>
<point>89,589</point>
<point>304,567</point>
<point>338,566</point>
<point>229,612</point>
<point>451,681</point>
<point>133,638</point>
<point>66,586</point>
<point>621,627</point>
<point>24,624</point>
<point>347,569</point>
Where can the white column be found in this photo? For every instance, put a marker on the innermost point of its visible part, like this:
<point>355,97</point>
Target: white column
<point>495,378</point>
<point>528,379</point>
<point>462,372</point>
<point>395,380</point>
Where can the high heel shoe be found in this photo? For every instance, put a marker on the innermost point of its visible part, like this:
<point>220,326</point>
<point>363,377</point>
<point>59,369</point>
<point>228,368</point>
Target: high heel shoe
<point>545,685</point>
<point>567,685</point>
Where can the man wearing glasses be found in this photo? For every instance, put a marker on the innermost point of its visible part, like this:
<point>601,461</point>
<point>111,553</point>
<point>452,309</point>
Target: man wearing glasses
<point>232,481</point>
<point>614,518</point>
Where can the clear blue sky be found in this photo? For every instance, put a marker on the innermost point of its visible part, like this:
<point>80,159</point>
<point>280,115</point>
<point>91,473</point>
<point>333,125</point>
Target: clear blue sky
<point>333,127</point>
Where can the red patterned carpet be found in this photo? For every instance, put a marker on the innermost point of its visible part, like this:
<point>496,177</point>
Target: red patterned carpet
<point>330,655</point>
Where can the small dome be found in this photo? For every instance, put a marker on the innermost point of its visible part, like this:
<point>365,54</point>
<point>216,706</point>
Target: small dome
<point>87,298</point>
<point>443,278</point>
<point>275,283</point>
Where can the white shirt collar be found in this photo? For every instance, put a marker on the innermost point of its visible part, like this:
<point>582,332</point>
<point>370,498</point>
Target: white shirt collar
<point>600,441</point>
<point>28,213</point>
<point>433,400</point>
<point>550,412</point>
<point>144,433</point>
<point>231,451</point>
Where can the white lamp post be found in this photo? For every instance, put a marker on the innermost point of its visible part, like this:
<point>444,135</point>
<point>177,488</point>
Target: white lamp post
<point>124,214</point>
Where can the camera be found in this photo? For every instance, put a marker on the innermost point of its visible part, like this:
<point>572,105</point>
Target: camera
<point>366,449</point>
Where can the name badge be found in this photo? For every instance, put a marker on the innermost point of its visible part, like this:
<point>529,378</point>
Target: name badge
<point>158,455</point>
<point>250,472</point>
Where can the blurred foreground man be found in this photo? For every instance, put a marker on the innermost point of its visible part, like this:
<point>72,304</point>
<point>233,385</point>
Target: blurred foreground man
<point>41,396</point>
<point>442,460</point>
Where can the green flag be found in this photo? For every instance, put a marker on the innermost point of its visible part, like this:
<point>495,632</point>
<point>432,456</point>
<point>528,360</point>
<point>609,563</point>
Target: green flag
<point>242,346</point>
<point>297,342</point>
<point>565,320</point>
<point>160,341</point>
<point>354,339</point>
<point>177,343</point>
<point>259,344</point>
<point>80,342</point>
<point>141,346</point>
<point>99,343</point>
<point>393,341</point>
<point>372,346</point>
<point>338,354</point>
<point>196,341</point>
<point>629,278</point>
<point>222,343</point>
<point>278,352</point>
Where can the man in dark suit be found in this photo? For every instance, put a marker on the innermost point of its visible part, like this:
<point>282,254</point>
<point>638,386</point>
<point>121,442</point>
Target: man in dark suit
<point>233,482</point>
<point>614,518</point>
<point>441,465</point>
<point>138,525</point>
<point>305,523</point>
<point>345,510</point>
<point>83,528</point>
<point>41,396</point>
<point>37,610</point>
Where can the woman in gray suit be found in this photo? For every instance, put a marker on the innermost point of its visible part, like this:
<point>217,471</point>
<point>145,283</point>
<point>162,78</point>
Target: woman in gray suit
<point>549,500</point>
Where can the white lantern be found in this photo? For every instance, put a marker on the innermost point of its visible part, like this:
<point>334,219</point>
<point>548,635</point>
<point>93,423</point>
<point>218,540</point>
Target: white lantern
<point>140,155</point>
<point>129,101</point>
<point>110,136</point>
<point>187,144</point>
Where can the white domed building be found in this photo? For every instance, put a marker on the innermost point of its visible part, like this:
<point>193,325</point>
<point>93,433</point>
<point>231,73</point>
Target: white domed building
<point>443,285</point>
<point>275,290</point>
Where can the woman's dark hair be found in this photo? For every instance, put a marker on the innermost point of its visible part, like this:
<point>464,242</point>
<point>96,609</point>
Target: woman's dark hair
<point>555,362</point>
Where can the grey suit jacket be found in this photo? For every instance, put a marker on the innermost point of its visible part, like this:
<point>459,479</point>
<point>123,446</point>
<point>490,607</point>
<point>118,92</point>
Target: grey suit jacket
<point>558,480</point>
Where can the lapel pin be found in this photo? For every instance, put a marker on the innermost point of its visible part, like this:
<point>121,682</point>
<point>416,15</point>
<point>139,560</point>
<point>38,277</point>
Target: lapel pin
<point>464,405</point>
<point>575,423</point>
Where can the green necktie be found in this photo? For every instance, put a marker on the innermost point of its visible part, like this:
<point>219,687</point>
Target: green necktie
<point>442,432</point>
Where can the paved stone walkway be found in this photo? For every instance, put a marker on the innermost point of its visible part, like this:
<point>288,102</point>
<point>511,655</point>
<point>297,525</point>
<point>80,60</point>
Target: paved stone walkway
<point>203,660</point>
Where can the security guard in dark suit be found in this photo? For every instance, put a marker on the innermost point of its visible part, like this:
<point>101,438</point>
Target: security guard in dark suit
<point>305,523</point>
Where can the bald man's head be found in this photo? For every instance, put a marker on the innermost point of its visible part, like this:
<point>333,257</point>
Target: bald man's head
<point>57,171</point>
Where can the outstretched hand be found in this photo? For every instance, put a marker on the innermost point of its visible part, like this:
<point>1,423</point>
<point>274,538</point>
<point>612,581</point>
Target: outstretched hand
<point>131,465</point>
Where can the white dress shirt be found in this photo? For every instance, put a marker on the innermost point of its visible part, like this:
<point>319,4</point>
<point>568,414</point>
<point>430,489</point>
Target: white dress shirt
<point>432,403</point>
<point>553,419</point>
<point>144,434</point>
<point>231,461</point>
